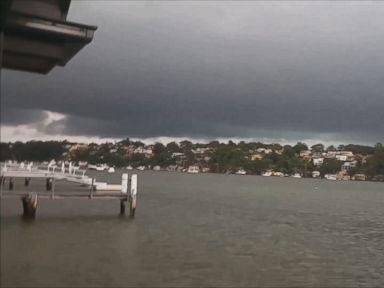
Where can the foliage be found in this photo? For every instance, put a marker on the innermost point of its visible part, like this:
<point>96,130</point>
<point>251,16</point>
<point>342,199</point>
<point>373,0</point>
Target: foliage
<point>32,151</point>
<point>330,166</point>
<point>317,147</point>
<point>223,157</point>
<point>300,147</point>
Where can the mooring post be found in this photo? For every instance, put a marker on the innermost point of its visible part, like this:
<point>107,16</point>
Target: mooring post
<point>133,195</point>
<point>2,179</point>
<point>92,188</point>
<point>29,205</point>
<point>52,188</point>
<point>48,184</point>
<point>124,183</point>
<point>124,190</point>
<point>11,183</point>
<point>26,181</point>
<point>122,206</point>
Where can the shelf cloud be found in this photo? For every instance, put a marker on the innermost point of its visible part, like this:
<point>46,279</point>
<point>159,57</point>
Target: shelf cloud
<point>278,70</point>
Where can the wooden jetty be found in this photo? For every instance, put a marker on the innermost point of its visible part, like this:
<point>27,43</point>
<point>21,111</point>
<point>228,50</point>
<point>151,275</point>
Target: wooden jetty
<point>125,192</point>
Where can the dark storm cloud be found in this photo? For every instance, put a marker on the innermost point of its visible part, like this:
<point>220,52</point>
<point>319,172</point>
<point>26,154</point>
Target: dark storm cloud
<point>11,116</point>
<point>220,69</point>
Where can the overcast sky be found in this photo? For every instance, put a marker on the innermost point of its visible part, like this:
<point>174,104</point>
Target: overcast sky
<point>274,71</point>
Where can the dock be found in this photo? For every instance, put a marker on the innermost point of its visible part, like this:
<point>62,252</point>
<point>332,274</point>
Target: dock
<point>125,192</point>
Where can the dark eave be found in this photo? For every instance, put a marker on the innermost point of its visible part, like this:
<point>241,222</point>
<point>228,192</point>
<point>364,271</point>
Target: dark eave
<point>36,43</point>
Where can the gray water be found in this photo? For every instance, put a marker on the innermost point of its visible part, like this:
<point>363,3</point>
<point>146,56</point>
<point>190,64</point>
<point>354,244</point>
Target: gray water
<point>202,230</point>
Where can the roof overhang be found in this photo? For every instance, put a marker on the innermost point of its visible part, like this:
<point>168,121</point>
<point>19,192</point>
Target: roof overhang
<point>36,43</point>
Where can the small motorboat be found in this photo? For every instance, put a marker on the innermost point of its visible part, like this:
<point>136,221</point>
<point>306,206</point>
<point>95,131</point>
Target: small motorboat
<point>111,170</point>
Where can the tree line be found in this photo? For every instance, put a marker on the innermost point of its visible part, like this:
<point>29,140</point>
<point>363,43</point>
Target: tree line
<point>222,157</point>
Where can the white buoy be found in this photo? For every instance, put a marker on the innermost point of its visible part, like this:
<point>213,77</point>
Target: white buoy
<point>124,183</point>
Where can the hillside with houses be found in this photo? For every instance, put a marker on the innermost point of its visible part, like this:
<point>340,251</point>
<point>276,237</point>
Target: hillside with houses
<point>345,162</point>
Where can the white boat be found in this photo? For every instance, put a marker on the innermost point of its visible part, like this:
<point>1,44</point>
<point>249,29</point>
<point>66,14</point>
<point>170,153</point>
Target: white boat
<point>101,167</point>
<point>157,168</point>
<point>267,173</point>
<point>241,171</point>
<point>193,169</point>
<point>90,166</point>
<point>141,168</point>
<point>278,174</point>
<point>129,167</point>
<point>330,177</point>
<point>316,174</point>
<point>296,175</point>
<point>111,170</point>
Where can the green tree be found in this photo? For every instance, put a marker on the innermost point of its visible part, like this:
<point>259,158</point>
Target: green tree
<point>289,151</point>
<point>360,149</point>
<point>158,148</point>
<point>331,148</point>
<point>300,147</point>
<point>186,144</point>
<point>173,147</point>
<point>317,147</point>
<point>330,166</point>
<point>228,158</point>
<point>375,164</point>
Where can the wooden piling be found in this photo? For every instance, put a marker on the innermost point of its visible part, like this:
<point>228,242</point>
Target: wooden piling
<point>48,184</point>
<point>26,182</point>
<point>29,205</point>
<point>11,183</point>
<point>133,196</point>
<point>2,185</point>
<point>52,188</point>
<point>124,183</point>
<point>124,190</point>
<point>122,206</point>
<point>92,188</point>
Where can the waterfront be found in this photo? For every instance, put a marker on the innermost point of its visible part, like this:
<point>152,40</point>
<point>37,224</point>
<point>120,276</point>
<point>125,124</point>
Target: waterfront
<point>202,230</point>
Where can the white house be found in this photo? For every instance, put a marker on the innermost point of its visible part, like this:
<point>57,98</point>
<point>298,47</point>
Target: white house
<point>348,165</point>
<point>318,161</point>
<point>264,150</point>
<point>341,157</point>
<point>305,153</point>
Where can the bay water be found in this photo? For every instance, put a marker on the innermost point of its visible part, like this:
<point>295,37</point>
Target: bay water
<point>201,230</point>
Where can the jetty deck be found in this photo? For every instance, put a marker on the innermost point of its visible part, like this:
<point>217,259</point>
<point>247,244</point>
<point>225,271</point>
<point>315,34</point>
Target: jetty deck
<point>66,182</point>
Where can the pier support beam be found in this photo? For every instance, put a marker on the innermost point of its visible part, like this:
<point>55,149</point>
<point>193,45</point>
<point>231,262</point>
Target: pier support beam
<point>10,183</point>
<point>2,181</point>
<point>26,182</point>
<point>29,205</point>
<point>48,184</point>
<point>132,207</point>
<point>133,196</point>
<point>122,207</point>
<point>124,190</point>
